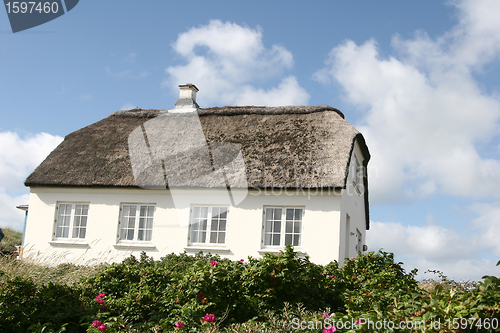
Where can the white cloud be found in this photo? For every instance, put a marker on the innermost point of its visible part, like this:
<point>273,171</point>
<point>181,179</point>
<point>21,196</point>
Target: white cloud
<point>19,156</point>
<point>425,111</point>
<point>224,60</point>
<point>458,255</point>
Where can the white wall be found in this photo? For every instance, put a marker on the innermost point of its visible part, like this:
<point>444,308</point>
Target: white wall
<point>320,234</point>
<point>352,204</point>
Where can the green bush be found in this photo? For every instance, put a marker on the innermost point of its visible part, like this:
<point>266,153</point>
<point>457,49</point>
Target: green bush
<point>270,294</point>
<point>24,305</point>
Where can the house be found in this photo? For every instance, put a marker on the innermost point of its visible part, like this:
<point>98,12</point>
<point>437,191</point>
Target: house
<point>237,181</point>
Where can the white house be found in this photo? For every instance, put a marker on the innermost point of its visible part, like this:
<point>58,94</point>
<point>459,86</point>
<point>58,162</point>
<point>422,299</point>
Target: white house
<point>236,181</point>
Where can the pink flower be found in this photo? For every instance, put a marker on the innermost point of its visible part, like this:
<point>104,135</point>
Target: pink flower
<point>101,295</point>
<point>104,307</point>
<point>100,301</point>
<point>209,318</point>
<point>213,262</point>
<point>179,324</point>
<point>96,323</point>
<point>242,260</point>
<point>333,276</point>
<point>326,315</point>
<point>358,322</point>
<point>102,328</point>
<point>200,296</point>
<point>330,329</point>
<point>323,274</point>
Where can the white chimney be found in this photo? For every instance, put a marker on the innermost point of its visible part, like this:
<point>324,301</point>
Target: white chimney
<point>187,99</point>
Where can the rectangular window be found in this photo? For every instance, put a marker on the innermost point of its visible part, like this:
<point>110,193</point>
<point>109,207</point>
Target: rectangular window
<point>282,226</point>
<point>71,221</point>
<point>136,223</point>
<point>208,225</point>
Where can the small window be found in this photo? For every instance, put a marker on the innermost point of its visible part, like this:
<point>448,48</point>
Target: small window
<point>208,225</point>
<point>136,223</point>
<point>282,226</point>
<point>359,173</point>
<point>71,221</point>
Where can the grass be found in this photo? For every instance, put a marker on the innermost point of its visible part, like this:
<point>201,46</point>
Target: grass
<point>11,239</point>
<point>41,274</point>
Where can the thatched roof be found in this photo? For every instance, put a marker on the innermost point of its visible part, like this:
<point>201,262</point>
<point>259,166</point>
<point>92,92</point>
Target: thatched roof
<point>281,147</point>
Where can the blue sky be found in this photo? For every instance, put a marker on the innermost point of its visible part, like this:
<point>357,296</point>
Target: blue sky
<point>418,78</point>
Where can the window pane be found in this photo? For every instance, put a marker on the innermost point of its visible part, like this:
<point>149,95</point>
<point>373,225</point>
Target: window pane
<point>296,240</point>
<point>269,214</point>
<point>277,226</point>
<point>141,223</point>
<point>203,225</point>
<point>277,214</point>
<point>276,239</point>
<point>268,226</point>
<point>151,210</point>
<point>289,214</point>
<point>298,214</point>
<point>267,239</point>
<point>131,222</point>
<point>288,239</point>
<point>133,210</point>
<point>130,234</point>
<point>222,237</point>
<point>82,232</point>
<point>289,226</point>
<point>214,225</point>
<point>140,234</point>
<point>213,237</point>
<point>222,225</point>
<point>149,235</point>
<point>143,210</point>
<point>203,236</point>
<point>83,221</point>
<point>196,212</point>
<point>297,227</point>
<point>76,222</point>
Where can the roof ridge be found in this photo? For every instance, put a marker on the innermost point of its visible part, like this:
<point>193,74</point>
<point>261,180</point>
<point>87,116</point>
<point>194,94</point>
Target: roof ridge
<point>232,111</point>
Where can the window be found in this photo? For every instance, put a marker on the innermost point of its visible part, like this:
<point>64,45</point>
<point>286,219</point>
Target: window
<point>136,223</point>
<point>71,221</point>
<point>359,172</point>
<point>208,225</point>
<point>282,226</point>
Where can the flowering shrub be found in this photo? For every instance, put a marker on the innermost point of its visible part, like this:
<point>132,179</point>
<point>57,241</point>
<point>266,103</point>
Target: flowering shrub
<point>206,293</point>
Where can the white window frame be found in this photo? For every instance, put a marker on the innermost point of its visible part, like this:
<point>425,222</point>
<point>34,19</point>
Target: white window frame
<point>135,230</point>
<point>358,176</point>
<point>210,224</point>
<point>70,226</point>
<point>283,233</point>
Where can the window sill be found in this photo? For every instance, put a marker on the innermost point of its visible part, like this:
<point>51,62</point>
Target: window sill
<point>134,246</point>
<point>280,249</point>
<point>69,242</point>
<point>206,248</point>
